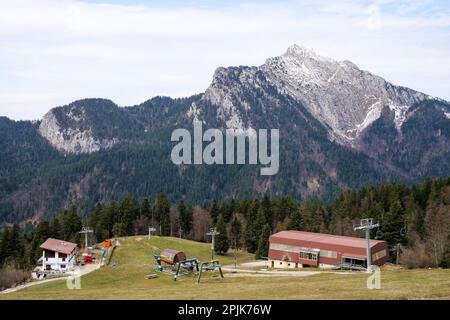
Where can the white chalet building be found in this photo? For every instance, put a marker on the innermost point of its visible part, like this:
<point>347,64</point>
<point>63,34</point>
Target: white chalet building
<point>57,255</point>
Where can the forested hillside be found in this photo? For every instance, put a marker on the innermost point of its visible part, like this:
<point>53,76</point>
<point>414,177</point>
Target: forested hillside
<point>340,128</point>
<point>415,221</point>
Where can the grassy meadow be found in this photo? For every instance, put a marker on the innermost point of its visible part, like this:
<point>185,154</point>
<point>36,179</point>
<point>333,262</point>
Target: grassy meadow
<point>125,279</point>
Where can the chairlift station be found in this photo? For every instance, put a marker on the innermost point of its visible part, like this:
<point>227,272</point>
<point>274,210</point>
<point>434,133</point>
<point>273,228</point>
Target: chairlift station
<point>297,249</point>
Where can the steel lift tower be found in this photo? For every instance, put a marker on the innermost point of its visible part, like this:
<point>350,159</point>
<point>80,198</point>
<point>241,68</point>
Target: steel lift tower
<point>150,230</point>
<point>86,231</point>
<point>213,233</point>
<point>367,225</point>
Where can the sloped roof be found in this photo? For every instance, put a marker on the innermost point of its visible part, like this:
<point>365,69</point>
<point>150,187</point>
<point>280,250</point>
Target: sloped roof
<point>58,245</point>
<point>323,238</point>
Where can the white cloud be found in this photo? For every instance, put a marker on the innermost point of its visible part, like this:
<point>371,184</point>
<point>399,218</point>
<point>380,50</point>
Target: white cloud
<point>56,51</point>
<point>374,19</point>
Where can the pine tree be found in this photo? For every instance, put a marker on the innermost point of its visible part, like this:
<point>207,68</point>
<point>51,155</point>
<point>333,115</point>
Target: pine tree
<point>251,241</point>
<point>214,211</point>
<point>259,223</point>
<point>17,247</point>
<point>221,241</point>
<point>162,213</point>
<point>108,218</point>
<point>71,224</point>
<point>56,228</point>
<point>414,216</point>
<point>5,247</point>
<point>146,210</point>
<point>250,237</point>
<point>95,221</point>
<point>313,216</point>
<point>43,232</point>
<point>129,212</point>
<point>266,206</point>
<point>284,208</point>
<point>295,221</point>
<point>263,243</point>
<point>119,229</point>
<point>393,225</point>
<point>12,249</point>
<point>253,210</point>
<point>185,217</point>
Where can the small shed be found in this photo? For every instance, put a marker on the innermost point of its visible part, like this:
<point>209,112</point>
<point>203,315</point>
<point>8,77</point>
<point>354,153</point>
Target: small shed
<point>171,256</point>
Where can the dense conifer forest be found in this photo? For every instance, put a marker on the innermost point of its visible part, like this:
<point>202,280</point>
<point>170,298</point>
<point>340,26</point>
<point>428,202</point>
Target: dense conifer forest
<point>414,220</point>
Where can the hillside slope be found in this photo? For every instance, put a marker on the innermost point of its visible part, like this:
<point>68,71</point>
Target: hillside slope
<point>134,260</point>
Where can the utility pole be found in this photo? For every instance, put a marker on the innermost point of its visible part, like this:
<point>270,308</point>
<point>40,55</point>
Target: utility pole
<point>86,231</point>
<point>180,231</point>
<point>150,230</point>
<point>235,252</point>
<point>367,225</point>
<point>213,233</point>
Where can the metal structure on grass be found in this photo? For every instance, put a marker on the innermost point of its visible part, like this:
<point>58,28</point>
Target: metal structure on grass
<point>86,231</point>
<point>367,225</point>
<point>213,233</point>
<point>209,266</point>
<point>175,263</point>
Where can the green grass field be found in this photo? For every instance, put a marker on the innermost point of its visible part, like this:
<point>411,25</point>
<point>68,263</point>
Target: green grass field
<point>134,260</point>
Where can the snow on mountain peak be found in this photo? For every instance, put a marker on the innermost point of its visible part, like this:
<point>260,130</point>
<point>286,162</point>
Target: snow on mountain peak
<point>301,51</point>
<point>338,93</point>
<point>343,97</point>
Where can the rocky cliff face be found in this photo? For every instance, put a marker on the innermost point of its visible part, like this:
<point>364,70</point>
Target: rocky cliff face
<point>345,99</point>
<point>74,136</point>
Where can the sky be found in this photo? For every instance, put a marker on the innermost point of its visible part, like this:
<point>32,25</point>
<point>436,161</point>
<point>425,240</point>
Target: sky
<point>53,52</point>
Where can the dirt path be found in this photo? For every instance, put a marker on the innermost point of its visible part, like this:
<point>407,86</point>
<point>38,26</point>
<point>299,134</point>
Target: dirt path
<point>84,270</point>
<point>239,271</point>
<point>243,272</point>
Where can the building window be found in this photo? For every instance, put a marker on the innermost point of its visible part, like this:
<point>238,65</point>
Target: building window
<point>49,254</point>
<point>378,255</point>
<point>328,254</point>
<point>306,255</point>
<point>63,266</point>
<point>283,247</point>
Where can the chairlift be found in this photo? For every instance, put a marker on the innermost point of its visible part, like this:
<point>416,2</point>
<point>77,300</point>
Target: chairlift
<point>378,234</point>
<point>404,230</point>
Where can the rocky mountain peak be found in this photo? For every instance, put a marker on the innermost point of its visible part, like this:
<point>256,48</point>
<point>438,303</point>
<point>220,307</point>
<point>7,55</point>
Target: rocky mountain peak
<point>339,94</point>
<point>70,129</point>
<point>303,53</point>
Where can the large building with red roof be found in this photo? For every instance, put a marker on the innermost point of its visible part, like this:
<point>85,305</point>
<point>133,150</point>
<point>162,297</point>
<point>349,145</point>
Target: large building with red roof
<point>296,249</point>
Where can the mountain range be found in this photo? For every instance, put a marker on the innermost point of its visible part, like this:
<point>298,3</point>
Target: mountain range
<point>340,127</point>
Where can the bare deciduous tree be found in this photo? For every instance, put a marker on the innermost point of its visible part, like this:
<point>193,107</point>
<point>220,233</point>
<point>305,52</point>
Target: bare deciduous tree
<point>201,224</point>
<point>437,226</point>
